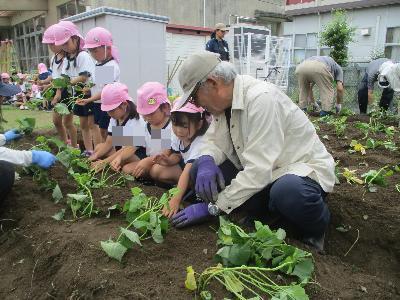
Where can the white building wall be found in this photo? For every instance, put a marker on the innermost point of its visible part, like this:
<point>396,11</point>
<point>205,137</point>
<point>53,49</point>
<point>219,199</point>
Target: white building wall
<point>377,19</point>
<point>181,46</point>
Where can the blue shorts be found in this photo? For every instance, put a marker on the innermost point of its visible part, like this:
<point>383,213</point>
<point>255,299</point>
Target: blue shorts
<point>141,152</point>
<point>101,118</point>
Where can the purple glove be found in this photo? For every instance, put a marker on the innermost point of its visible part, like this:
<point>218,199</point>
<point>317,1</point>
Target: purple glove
<point>208,175</point>
<point>193,214</point>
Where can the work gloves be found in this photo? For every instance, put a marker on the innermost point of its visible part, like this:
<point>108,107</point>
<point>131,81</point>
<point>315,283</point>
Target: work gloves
<point>209,176</point>
<point>12,135</point>
<point>43,159</point>
<point>193,214</point>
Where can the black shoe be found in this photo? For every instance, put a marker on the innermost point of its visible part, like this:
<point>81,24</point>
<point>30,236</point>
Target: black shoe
<point>316,243</point>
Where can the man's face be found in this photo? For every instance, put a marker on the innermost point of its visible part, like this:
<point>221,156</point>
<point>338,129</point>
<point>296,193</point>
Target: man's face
<point>210,96</point>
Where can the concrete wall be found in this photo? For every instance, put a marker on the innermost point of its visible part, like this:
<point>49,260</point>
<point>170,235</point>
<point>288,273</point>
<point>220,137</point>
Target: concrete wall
<point>378,19</point>
<point>191,12</point>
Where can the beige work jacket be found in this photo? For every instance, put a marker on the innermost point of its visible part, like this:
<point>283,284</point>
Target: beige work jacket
<point>269,137</point>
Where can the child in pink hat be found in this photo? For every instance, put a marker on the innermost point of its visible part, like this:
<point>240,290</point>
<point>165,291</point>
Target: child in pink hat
<point>189,124</point>
<point>79,66</point>
<point>63,123</point>
<point>5,78</point>
<point>121,146</point>
<point>100,45</point>
<point>154,107</point>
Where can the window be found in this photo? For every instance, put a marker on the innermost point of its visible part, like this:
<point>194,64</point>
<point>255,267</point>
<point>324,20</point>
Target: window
<point>28,43</point>
<point>305,46</point>
<point>70,8</point>
<point>392,44</point>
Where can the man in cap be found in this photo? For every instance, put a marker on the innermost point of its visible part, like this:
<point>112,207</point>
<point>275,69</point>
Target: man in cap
<point>10,157</point>
<point>217,44</point>
<point>387,74</point>
<point>260,145</point>
<point>321,71</point>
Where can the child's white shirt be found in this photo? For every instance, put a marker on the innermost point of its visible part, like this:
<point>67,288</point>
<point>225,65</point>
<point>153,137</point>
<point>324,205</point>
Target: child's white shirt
<point>84,66</point>
<point>56,68</point>
<point>116,75</point>
<point>131,130</point>
<point>191,152</point>
<point>157,142</point>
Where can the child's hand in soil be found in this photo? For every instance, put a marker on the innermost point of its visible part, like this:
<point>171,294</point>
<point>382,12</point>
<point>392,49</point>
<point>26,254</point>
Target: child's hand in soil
<point>173,207</point>
<point>116,164</point>
<point>93,157</point>
<point>142,167</point>
<point>98,165</point>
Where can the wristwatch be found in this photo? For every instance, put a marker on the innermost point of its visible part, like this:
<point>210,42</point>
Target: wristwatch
<point>213,209</point>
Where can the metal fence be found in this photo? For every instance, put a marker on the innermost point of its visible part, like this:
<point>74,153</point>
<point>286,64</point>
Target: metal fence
<point>352,78</point>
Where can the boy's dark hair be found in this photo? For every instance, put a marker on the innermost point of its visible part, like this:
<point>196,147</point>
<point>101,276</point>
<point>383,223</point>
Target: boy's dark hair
<point>178,118</point>
<point>133,114</point>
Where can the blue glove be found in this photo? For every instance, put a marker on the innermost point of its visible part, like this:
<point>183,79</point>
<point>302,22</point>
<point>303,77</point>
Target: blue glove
<point>12,135</point>
<point>324,113</point>
<point>43,159</point>
<point>193,214</point>
<point>208,175</point>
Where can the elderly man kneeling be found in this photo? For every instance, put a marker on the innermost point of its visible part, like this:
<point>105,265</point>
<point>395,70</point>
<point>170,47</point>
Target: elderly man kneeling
<point>261,145</point>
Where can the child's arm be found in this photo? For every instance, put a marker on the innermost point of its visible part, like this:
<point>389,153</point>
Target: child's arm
<point>167,158</point>
<point>93,98</point>
<point>103,149</point>
<point>80,78</point>
<point>175,201</point>
<point>57,97</point>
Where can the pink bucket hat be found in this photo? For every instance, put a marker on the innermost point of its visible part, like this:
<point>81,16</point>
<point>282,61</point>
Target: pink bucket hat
<point>48,35</point>
<point>64,30</point>
<point>188,107</point>
<point>150,96</point>
<point>113,95</point>
<point>5,76</point>
<point>98,37</point>
<point>42,68</point>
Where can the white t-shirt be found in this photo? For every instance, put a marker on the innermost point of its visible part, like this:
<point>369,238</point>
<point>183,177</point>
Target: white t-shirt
<point>111,64</point>
<point>128,133</point>
<point>84,66</point>
<point>191,152</point>
<point>56,67</point>
<point>158,140</point>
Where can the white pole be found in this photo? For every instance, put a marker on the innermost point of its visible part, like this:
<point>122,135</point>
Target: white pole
<point>204,13</point>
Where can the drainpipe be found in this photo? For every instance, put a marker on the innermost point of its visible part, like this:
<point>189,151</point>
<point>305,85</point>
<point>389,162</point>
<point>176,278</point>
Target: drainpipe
<point>378,21</point>
<point>319,34</point>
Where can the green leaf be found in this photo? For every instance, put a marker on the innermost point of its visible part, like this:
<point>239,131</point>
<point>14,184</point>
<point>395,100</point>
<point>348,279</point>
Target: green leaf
<point>232,283</point>
<point>280,234</point>
<point>131,235</point>
<point>26,125</point>
<point>62,109</point>
<point>57,194</point>
<point>60,215</point>
<point>157,235</point>
<point>205,295</point>
<point>113,249</point>
<point>190,282</point>
<point>293,292</point>
<point>77,197</point>
<point>136,191</point>
<point>304,269</point>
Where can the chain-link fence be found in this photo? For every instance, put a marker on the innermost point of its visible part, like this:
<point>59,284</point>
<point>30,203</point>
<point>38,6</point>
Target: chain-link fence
<point>352,78</point>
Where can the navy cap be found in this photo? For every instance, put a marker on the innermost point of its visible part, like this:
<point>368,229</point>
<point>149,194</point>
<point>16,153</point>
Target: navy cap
<point>9,90</point>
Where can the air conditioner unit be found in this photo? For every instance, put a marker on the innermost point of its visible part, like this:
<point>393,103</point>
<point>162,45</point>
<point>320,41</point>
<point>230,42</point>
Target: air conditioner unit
<point>365,31</point>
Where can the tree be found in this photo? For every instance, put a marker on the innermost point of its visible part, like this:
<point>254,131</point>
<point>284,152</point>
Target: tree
<point>337,35</point>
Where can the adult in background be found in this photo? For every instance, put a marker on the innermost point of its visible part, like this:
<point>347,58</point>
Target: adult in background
<point>322,71</point>
<point>10,157</point>
<point>217,44</point>
<point>260,145</point>
<point>381,70</point>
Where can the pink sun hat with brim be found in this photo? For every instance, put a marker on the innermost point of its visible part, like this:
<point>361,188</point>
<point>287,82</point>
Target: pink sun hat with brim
<point>150,96</point>
<point>64,31</point>
<point>48,35</point>
<point>113,95</point>
<point>98,37</point>
<point>188,108</point>
<point>5,76</point>
<point>42,68</point>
